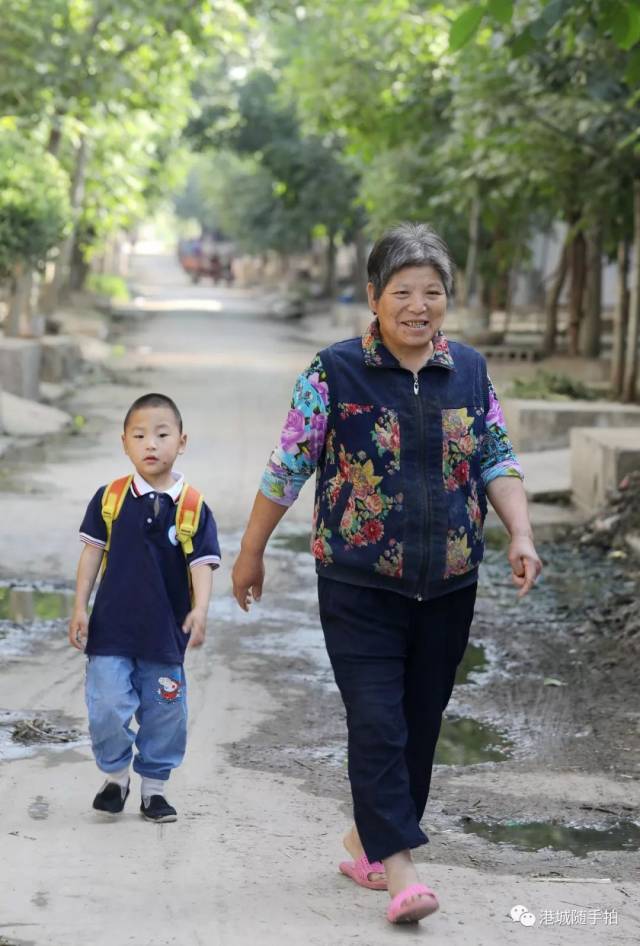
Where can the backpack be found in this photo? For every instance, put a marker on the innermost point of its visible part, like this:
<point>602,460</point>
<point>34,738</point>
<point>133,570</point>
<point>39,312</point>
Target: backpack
<point>187,515</point>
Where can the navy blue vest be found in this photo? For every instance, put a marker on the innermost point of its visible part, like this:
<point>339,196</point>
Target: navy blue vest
<point>400,501</point>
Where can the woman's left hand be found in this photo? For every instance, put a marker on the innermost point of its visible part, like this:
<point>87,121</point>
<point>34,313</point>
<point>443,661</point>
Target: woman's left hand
<point>525,564</point>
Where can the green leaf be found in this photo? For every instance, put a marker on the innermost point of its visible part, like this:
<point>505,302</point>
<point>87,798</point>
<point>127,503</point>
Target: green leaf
<point>633,30</point>
<point>552,14</point>
<point>463,28</point>
<point>619,23</point>
<point>522,44</point>
<point>632,72</point>
<point>500,10</point>
<point>553,682</point>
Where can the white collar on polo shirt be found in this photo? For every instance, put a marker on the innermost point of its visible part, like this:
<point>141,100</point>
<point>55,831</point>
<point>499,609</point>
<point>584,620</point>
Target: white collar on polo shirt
<point>140,487</point>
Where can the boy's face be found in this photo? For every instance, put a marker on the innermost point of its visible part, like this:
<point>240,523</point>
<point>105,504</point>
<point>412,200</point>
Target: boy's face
<point>152,441</point>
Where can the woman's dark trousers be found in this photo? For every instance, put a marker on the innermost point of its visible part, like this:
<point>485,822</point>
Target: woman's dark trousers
<point>394,660</point>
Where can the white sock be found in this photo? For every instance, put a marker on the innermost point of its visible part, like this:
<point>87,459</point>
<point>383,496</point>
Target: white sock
<point>121,778</point>
<point>151,786</point>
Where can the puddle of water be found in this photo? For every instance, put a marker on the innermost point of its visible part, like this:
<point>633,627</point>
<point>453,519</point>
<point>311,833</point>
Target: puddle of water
<point>293,541</point>
<point>474,661</point>
<point>580,841</point>
<point>30,604</point>
<point>465,741</point>
<point>11,749</point>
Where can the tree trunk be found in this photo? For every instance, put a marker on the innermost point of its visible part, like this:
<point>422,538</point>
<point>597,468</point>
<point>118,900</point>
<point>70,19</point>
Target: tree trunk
<point>471,265</point>
<point>79,268</point>
<point>360,276</point>
<point>620,319</point>
<point>19,309</point>
<point>591,327</point>
<point>553,300</point>
<point>576,293</point>
<point>60,281</point>
<point>330,281</point>
<point>633,328</point>
<point>55,137</point>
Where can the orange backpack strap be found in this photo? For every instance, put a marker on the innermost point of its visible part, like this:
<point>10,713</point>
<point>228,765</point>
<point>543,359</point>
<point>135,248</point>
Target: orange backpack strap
<point>112,500</point>
<point>188,517</point>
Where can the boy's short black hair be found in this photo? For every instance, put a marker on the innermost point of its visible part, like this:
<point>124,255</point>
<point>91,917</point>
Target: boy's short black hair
<point>154,400</point>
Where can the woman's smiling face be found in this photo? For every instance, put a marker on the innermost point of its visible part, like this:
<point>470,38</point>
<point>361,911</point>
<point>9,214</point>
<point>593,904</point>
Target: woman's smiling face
<point>410,310</point>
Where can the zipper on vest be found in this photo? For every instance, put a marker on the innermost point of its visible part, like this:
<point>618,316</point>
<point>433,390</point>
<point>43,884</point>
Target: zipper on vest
<point>424,558</point>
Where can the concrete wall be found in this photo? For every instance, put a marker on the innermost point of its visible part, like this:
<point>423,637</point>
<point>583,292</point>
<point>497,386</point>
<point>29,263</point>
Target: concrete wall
<point>600,459</point>
<point>61,358</point>
<point>546,425</point>
<point>545,250</point>
<point>20,361</point>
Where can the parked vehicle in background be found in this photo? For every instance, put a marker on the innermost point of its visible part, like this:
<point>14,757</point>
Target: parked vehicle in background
<point>206,256</point>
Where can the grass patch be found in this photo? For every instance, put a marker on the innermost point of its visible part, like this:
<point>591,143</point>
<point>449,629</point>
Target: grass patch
<point>105,285</point>
<point>547,386</point>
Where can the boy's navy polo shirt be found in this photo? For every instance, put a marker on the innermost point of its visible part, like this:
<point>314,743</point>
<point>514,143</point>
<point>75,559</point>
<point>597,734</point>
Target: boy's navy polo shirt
<point>143,596</point>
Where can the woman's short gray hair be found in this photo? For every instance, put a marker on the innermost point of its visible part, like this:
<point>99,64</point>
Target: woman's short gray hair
<point>409,244</point>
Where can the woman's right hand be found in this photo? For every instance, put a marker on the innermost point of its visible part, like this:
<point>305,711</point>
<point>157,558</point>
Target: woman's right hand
<point>247,578</point>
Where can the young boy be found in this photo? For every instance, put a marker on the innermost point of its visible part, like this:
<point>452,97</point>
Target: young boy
<point>151,602</point>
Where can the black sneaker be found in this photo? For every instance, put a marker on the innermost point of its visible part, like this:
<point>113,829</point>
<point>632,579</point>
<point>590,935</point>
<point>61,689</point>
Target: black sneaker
<point>110,798</point>
<point>158,810</point>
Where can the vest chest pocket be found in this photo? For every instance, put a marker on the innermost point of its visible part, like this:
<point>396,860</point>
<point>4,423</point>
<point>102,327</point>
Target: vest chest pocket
<point>462,439</point>
<point>363,459</point>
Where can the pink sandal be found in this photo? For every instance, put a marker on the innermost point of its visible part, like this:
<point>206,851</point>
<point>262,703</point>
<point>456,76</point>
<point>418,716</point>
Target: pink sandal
<point>360,871</point>
<point>405,909</point>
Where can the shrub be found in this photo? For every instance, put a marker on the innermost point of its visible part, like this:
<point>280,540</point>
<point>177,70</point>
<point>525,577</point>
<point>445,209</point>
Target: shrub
<point>34,202</point>
<point>547,386</point>
<point>104,284</point>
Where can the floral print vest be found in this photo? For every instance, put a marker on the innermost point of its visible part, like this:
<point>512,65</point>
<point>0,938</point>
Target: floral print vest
<point>400,495</point>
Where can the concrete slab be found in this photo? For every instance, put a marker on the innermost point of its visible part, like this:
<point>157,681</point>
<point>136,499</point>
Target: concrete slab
<point>546,425</point>
<point>600,459</point>
<point>24,418</point>
<point>20,360</point>
<point>547,474</point>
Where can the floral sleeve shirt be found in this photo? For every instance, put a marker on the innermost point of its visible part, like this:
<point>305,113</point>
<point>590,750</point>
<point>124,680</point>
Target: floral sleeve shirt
<point>498,457</point>
<point>303,436</point>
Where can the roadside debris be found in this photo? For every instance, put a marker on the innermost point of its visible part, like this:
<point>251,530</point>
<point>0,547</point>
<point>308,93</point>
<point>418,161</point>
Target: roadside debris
<point>31,731</point>
<point>611,528</point>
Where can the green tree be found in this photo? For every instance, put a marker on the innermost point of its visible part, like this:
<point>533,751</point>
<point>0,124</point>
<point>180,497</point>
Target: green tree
<point>580,60</point>
<point>76,64</point>
<point>287,185</point>
<point>34,213</point>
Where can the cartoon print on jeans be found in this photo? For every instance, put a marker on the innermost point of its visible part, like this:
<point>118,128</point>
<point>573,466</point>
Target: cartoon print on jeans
<point>169,689</point>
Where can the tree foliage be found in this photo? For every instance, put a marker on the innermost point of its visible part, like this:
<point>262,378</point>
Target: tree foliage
<point>268,185</point>
<point>34,202</point>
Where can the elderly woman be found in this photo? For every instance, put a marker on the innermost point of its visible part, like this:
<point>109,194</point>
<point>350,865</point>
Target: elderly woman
<point>405,433</point>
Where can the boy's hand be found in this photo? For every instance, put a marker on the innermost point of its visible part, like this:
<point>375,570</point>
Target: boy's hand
<point>79,628</point>
<point>195,624</point>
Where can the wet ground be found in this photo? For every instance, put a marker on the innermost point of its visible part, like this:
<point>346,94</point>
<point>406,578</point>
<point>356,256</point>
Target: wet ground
<point>530,701</point>
<point>537,765</point>
<point>535,692</point>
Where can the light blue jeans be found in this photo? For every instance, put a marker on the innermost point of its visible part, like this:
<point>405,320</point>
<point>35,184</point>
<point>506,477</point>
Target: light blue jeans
<point>119,688</point>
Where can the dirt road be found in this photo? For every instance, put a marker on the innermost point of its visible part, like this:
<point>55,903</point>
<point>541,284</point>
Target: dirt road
<point>263,796</point>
